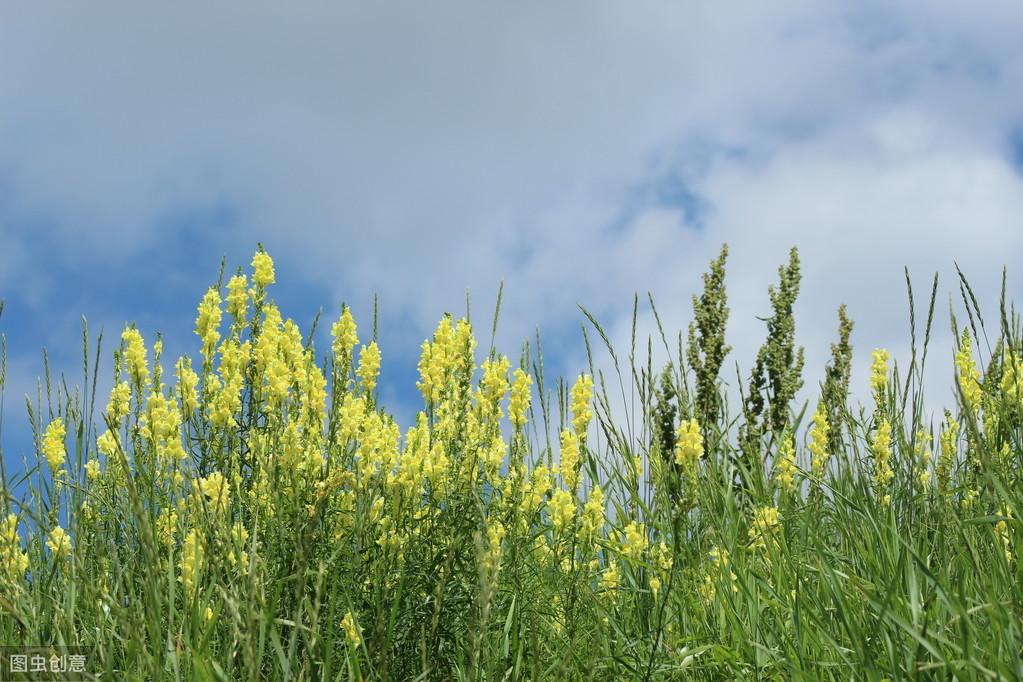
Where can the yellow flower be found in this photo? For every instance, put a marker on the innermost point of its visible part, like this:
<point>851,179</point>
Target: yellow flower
<point>237,296</point>
<point>353,632</point>
<point>166,526</point>
<point>562,507</point>
<point>521,397</point>
<point>689,445</point>
<point>882,449</point>
<point>53,444</point>
<point>188,382</point>
<point>13,561</point>
<point>207,324</point>
<point>262,269</point>
<point>191,561</point>
<point>120,398</point>
<point>635,542</point>
<point>135,355</point>
<point>949,440</point>
<point>764,526</point>
<point>345,335</point>
<point>582,394</point>
<point>494,383</point>
<point>59,542</point>
<point>593,514</point>
<point>785,465</point>
<point>569,459</point>
<point>215,489</point>
<point>369,366</point>
<point>967,374</point>
<point>655,585</point>
<point>879,373</point>
<point>92,470</point>
<point>819,442</point>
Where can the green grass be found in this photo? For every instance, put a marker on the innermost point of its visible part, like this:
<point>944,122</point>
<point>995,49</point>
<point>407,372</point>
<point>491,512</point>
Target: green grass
<point>339,548</point>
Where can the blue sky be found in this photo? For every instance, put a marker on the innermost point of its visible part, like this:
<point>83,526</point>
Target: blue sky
<point>580,152</point>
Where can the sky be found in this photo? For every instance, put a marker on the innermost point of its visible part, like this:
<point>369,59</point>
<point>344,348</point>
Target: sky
<point>578,152</point>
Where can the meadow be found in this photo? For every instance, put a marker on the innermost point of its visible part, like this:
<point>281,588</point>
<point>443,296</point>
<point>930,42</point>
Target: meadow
<point>254,512</point>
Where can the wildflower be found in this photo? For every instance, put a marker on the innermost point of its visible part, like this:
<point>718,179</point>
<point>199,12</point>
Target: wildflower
<point>655,585</point>
<point>59,542</point>
<point>215,489</point>
<point>263,269</point>
<point>635,540</point>
<point>188,382</point>
<point>562,508</point>
<point>879,373</point>
<point>92,470</point>
<point>135,355</point>
<point>763,528</point>
<point>191,561</point>
<point>819,437</point>
<point>1011,384</point>
<point>53,444</point>
<point>582,394</point>
<point>689,446</point>
<point>882,450</point>
<point>1002,532</point>
<point>593,514</point>
<point>166,526</point>
<point>353,632</point>
<point>967,374</point>
<point>569,459</point>
<point>106,443</point>
<point>207,324</point>
<point>118,406</point>
<point>369,366</point>
<point>611,578</point>
<point>785,465</point>
<point>922,450</point>
<point>949,439</point>
<point>494,382</point>
<point>13,561</point>
<point>237,297</point>
<point>520,398</point>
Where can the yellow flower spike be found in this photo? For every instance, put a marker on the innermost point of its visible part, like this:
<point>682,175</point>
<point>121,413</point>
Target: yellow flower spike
<point>562,508</point>
<point>191,561</point>
<point>238,297</point>
<point>949,441</point>
<point>593,515</point>
<point>106,443</point>
<point>120,402</point>
<point>569,464</point>
<point>53,445</point>
<point>353,632</point>
<point>582,413</point>
<point>689,445</point>
<point>764,527</point>
<point>188,382</point>
<point>263,269</point>
<point>215,490</point>
<point>13,560</point>
<point>879,373</point>
<point>92,469</point>
<point>494,383</point>
<point>135,355</point>
<point>521,396</point>
<point>207,324</point>
<point>819,436</point>
<point>635,542</point>
<point>882,449</point>
<point>345,335</point>
<point>785,464</point>
<point>369,366</point>
<point>59,543</point>
<point>967,374</point>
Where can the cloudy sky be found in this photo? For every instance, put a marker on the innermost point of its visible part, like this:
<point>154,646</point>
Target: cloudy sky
<point>578,152</point>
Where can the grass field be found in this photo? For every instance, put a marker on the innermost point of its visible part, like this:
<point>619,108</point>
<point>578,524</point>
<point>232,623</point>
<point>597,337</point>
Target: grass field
<point>254,512</point>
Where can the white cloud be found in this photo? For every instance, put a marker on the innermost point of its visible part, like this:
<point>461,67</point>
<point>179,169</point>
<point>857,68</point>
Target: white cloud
<point>419,151</point>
